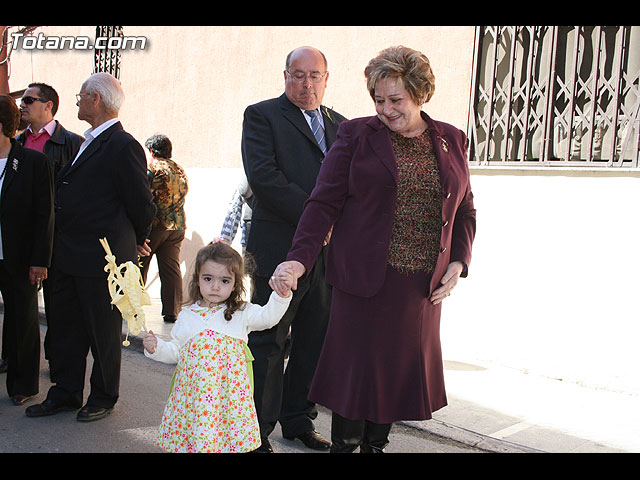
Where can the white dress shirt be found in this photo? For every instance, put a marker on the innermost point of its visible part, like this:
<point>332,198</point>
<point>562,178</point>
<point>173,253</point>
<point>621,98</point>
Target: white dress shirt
<point>91,134</point>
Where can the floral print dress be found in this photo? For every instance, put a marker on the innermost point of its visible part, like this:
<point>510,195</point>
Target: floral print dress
<point>210,408</point>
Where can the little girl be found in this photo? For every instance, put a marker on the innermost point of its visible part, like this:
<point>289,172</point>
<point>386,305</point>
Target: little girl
<point>210,407</point>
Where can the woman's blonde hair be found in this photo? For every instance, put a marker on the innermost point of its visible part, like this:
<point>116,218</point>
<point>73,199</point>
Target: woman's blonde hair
<point>409,66</point>
<point>220,252</point>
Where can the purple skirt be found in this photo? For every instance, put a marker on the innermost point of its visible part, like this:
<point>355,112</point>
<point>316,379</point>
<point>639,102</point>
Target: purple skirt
<point>381,360</point>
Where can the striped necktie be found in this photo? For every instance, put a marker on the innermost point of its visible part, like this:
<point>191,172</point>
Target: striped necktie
<point>317,129</point>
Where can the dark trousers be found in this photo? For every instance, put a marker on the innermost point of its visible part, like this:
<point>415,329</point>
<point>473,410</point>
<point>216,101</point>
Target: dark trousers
<point>20,330</point>
<point>281,395</point>
<point>83,320</point>
<point>46,294</point>
<point>347,435</point>
<point>165,245</point>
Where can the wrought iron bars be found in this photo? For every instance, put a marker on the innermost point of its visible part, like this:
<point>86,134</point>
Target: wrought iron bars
<point>557,95</point>
<point>107,59</point>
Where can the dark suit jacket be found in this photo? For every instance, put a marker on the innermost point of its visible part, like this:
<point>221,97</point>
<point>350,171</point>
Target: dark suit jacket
<point>105,193</point>
<point>356,193</point>
<point>281,159</point>
<point>26,209</point>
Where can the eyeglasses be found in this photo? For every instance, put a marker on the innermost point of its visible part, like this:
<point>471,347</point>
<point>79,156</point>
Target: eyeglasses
<point>80,95</point>
<point>300,77</point>
<point>29,100</point>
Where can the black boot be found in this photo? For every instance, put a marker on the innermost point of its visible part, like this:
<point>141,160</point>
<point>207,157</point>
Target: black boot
<point>376,437</point>
<point>346,435</point>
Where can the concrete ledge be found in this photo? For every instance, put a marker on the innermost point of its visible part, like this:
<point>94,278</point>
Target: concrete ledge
<point>468,437</point>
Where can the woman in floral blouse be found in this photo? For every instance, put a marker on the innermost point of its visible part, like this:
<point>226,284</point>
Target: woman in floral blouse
<point>169,185</point>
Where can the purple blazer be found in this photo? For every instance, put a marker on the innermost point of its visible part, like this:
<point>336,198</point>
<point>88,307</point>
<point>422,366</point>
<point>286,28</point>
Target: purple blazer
<point>356,192</point>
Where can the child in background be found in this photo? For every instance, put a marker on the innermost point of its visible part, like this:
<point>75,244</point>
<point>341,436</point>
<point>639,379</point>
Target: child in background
<point>210,407</point>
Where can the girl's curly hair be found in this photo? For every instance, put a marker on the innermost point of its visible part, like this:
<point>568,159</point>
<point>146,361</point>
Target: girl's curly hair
<point>225,254</point>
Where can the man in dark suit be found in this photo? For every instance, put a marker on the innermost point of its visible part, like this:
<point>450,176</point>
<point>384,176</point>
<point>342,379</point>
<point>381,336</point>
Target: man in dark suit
<point>102,193</point>
<point>38,107</point>
<point>282,156</point>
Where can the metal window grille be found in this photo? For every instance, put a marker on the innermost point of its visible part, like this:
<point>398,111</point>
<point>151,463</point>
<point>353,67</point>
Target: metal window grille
<point>107,59</point>
<point>555,96</point>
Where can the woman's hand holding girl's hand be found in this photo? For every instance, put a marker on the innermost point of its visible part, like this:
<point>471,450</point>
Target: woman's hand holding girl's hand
<point>285,277</point>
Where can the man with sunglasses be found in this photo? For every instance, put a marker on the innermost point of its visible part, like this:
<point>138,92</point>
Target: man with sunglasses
<point>38,108</point>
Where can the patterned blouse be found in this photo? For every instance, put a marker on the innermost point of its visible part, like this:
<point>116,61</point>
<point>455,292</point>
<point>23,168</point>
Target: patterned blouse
<point>169,185</point>
<point>415,238</point>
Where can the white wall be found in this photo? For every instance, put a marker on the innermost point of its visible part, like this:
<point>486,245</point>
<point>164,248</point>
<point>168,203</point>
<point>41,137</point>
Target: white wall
<point>552,287</point>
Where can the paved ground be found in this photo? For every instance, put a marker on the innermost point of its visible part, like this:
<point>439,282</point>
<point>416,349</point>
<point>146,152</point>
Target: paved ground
<point>497,409</point>
<point>133,425</point>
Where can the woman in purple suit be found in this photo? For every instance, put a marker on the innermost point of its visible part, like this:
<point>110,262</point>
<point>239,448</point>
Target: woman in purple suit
<point>393,199</point>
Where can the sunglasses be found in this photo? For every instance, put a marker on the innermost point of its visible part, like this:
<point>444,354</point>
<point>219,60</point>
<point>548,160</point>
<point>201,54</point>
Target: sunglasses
<point>29,100</point>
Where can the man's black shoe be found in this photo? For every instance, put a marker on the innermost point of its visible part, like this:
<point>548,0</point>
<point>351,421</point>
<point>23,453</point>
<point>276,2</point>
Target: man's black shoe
<point>48,407</point>
<point>313,440</point>
<point>89,413</point>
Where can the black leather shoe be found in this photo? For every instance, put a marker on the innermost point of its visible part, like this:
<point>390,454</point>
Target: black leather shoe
<point>313,440</point>
<point>48,407</point>
<point>264,448</point>
<point>89,413</point>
